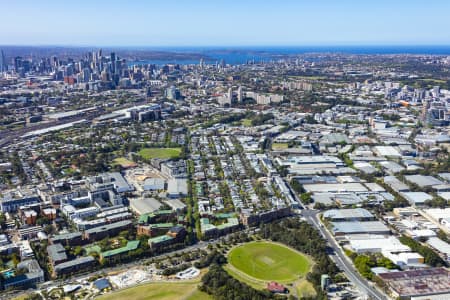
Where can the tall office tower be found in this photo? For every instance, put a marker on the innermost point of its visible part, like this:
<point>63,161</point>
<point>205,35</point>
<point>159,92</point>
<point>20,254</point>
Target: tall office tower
<point>240,95</point>
<point>94,60</point>
<point>113,62</point>
<point>17,63</point>
<point>436,91</point>
<point>425,106</point>
<point>230,94</point>
<point>55,62</point>
<point>3,65</point>
<point>202,63</point>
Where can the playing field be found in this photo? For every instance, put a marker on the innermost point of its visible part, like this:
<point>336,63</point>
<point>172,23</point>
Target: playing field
<point>149,153</point>
<point>246,122</point>
<point>279,146</point>
<point>159,291</point>
<point>125,163</point>
<point>269,261</point>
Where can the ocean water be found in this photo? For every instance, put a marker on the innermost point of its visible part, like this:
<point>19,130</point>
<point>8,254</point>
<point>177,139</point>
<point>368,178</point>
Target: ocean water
<point>242,55</point>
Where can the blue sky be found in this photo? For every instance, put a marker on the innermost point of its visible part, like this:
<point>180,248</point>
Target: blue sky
<point>224,23</point>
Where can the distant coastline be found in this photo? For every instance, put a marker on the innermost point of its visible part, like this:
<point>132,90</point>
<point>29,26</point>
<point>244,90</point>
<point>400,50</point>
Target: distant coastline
<point>216,54</point>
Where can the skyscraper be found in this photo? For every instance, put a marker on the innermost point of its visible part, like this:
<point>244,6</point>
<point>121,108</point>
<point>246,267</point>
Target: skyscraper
<point>230,94</point>
<point>240,95</point>
<point>3,65</point>
<point>113,62</point>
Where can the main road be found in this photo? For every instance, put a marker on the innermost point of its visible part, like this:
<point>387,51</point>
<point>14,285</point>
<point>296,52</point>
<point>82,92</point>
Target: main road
<point>341,259</point>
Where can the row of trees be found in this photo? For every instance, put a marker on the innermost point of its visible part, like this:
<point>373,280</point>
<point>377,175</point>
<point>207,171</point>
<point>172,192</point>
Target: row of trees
<point>363,263</point>
<point>430,257</point>
<point>304,238</point>
<point>218,283</point>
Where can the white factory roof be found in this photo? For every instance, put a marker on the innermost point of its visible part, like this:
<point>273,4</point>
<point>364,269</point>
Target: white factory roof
<point>439,245</point>
<point>378,243</point>
<point>422,180</point>
<point>335,187</point>
<point>360,227</point>
<point>351,213</point>
<point>416,197</point>
<point>438,213</point>
<point>387,151</point>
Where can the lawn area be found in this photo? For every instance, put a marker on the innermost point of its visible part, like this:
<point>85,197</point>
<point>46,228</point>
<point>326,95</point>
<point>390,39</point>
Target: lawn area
<point>149,153</point>
<point>305,289</point>
<point>432,80</point>
<point>159,291</point>
<point>246,122</point>
<point>125,163</point>
<point>279,146</point>
<point>253,282</point>
<point>197,295</point>
<point>269,262</point>
<point>308,77</point>
<point>21,297</point>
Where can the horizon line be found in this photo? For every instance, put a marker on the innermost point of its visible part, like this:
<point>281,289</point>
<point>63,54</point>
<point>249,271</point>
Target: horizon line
<point>232,46</point>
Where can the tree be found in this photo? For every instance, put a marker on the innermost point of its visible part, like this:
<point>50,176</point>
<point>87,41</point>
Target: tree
<point>306,198</point>
<point>77,250</point>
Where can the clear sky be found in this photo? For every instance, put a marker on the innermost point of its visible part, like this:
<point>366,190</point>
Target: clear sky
<point>224,22</point>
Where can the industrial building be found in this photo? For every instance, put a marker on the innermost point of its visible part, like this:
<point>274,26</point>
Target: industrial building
<point>372,227</point>
<point>418,283</point>
<point>351,214</point>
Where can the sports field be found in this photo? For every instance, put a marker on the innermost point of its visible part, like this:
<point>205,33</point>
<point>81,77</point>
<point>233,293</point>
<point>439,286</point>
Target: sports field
<point>149,153</point>
<point>125,163</point>
<point>279,146</point>
<point>246,122</point>
<point>160,291</point>
<point>269,261</point>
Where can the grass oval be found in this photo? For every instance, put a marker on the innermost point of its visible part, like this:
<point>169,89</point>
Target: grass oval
<point>269,261</point>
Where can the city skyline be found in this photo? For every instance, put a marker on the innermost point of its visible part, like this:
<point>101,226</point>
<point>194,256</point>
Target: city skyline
<point>224,23</point>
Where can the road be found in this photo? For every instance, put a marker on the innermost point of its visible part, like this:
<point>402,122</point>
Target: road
<point>342,261</point>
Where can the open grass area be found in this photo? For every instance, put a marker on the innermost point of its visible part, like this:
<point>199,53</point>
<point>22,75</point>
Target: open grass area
<point>246,122</point>
<point>305,289</point>
<point>21,297</point>
<point>308,77</point>
<point>279,146</point>
<point>242,277</point>
<point>149,153</point>
<point>432,80</point>
<point>269,262</point>
<point>159,291</point>
<point>125,163</point>
<point>197,295</point>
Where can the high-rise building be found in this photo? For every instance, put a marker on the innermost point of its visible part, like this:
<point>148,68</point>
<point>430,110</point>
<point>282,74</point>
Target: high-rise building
<point>172,93</point>
<point>240,95</point>
<point>3,64</point>
<point>113,62</point>
<point>230,94</point>
<point>17,63</point>
<point>436,91</point>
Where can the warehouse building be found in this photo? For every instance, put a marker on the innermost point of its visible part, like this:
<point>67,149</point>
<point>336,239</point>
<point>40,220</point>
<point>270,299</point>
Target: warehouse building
<point>419,283</point>
<point>416,198</point>
<point>423,181</point>
<point>372,227</point>
<point>351,214</point>
<point>440,246</point>
<point>376,244</point>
